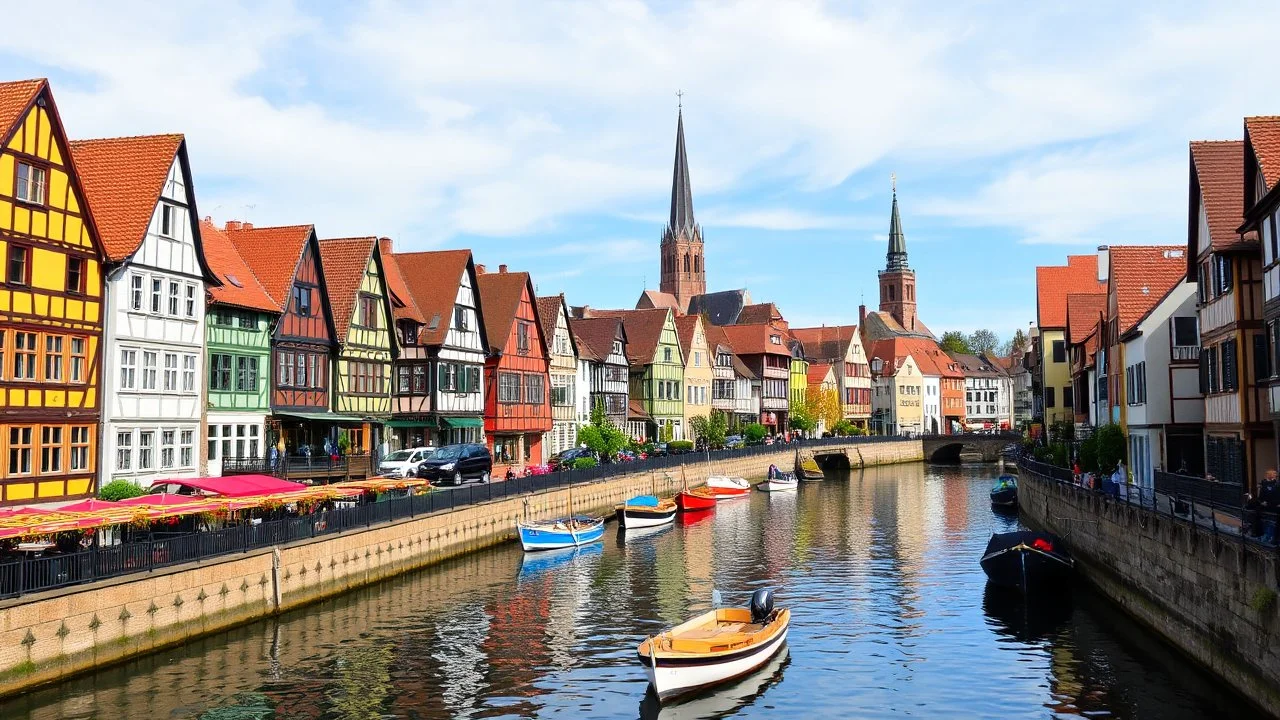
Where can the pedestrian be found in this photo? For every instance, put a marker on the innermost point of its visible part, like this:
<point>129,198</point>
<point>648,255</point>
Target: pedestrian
<point>1268,499</point>
<point>1251,520</point>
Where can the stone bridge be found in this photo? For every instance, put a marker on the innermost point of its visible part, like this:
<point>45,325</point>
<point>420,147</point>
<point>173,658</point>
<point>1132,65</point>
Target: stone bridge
<point>947,448</point>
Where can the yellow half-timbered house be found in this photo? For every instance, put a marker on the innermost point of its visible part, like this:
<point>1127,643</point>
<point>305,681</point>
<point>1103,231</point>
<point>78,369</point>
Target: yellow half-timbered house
<point>362,320</point>
<point>50,307</point>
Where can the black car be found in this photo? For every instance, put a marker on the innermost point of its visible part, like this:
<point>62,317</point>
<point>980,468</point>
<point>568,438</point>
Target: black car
<point>457,463</point>
<point>564,460</point>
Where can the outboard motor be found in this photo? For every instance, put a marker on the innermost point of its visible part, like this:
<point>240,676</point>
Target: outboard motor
<point>761,605</point>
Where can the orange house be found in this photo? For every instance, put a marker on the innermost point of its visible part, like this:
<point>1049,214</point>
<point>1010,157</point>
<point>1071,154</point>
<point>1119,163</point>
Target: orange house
<point>517,406</point>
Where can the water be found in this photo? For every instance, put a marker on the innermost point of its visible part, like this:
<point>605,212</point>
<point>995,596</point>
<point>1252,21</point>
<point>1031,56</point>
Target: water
<point>891,618</point>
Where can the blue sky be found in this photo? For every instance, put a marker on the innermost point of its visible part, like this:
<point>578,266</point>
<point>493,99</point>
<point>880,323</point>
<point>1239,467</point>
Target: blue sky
<point>541,134</point>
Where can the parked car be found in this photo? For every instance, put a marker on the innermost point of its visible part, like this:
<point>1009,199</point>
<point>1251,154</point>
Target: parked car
<point>457,463</point>
<point>733,442</point>
<point>565,458</point>
<point>404,463</point>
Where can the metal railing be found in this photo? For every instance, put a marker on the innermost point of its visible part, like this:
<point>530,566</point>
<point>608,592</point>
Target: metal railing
<point>295,466</point>
<point>24,576</point>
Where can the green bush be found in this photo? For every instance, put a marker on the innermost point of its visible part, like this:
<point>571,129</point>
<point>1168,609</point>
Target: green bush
<point>584,463</point>
<point>1041,454</point>
<point>855,430</point>
<point>680,446</point>
<point>120,489</point>
<point>1111,444</point>
<point>844,427</point>
<point>754,432</point>
<point>1058,454</point>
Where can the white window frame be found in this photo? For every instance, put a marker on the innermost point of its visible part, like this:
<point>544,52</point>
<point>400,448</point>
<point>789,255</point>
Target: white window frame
<point>32,188</point>
<point>189,363</point>
<point>124,450</point>
<point>150,369</point>
<point>137,288</point>
<point>128,368</point>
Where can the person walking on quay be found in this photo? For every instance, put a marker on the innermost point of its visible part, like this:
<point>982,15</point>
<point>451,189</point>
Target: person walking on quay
<point>1269,503</point>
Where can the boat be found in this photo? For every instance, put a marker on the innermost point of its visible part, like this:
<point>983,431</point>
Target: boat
<point>646,511</point>
<point>724,482</point>
<point>715,647</point>
<point>1027,560</point>
<point>777,481</point>
<point>560,533</point>
<point>727,701</point>
<point>807,469</point>
<point>1005,492</point>
<point>700,498</point>
<point>725,493</point>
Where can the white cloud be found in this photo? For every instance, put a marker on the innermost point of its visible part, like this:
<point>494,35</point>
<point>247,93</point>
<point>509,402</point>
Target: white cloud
<point>781,219</point>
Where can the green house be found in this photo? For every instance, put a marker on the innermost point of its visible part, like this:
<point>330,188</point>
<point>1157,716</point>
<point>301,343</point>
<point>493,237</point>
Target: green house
<point>657,368</point>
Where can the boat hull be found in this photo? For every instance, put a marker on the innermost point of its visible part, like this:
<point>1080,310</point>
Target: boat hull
<point>545,536</point>
<point>643,517</point>
<point>777,485</point>
<point>1007,497</point>
<point>674,678</point>
<point>693,502</point>
<point>1013,560</point>
<point>724,493</point>
<point>724,482</point>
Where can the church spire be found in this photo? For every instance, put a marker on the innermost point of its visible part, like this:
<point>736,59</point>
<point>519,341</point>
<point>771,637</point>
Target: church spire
<point>896,258</point>
<point>681,192</point>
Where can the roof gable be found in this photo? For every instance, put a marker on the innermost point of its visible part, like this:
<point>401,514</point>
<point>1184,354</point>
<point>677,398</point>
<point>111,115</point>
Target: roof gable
<point>274,253</point>
<point>595,336</point>
<point>239,286</point>
<point>1263,135</point>
<point>1141,276</point>
<point>15,99</point>
<point>720,308</point>
<point>755,339</point>
<point>550,310</point>
<point>686,328</point>
<point>1217,176</point>
<point>644,331</point>
<point>403,306</point>
<point>501,293</point>
<point>433,279</point>
<point>1083,311</point>
<point>1055,282</point>
<point>343,263</point>
<point>827,343</point>
<point>123,180</point>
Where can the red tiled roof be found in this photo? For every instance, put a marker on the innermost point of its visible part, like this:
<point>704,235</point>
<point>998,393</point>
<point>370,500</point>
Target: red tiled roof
<point>891,351</point>
<point>1055,282</point>
<point>818,373</point>
<point>122,180</point>
<point>754,339</point>
<point>548,314</point>
<point>1219,168</point>
<point>644,331</point>
<point>1264,136</point>
<point>500,295</point>
<point>343,261</point>
<point>830,343</point>
<point>272,252</point>
<point>15,98</point>
<point>595,336</point>
<point>1141,276</point>
<point>758,314</point>
<point>404,308</point>
<point>240,287</point>
<point>931,359</point>
<point>433,278</point>
<point>716,337</point>
<point>635,410</point>
<point>650,299</point>
<point>685,327</point>
<point>1083,310</point>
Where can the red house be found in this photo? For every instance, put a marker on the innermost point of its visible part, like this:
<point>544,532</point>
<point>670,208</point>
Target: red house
<point>517,407</point>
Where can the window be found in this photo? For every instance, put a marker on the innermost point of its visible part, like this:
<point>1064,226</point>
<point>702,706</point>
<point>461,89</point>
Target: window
<point>522,337</point>
<point>188,373</point>
<point>19,264</point>
<point>128,368</point>
<point>508,388</point>
<point>420,378</point>
<point>191,300</point>
<point>409,331</point>
<point>1222,274</point>
<point>1049,397</point>
<point>175,293</point>
<point>403,384</point>
<point>31,184</point>
<point>75,275</point>
<point>302,300</point>
<point>562,390</point>
<point>146,449</point>
<point>219,372</point>
<point>246,374</point>
<point>368,316</point>
<point>301,378</point>
<point>284,369</point>
<point>167,213</point>
<point>775,339</point>
<point>314,367</point>
<point>697,359</point>
<point>534,391</point>
<point>187,448</point>
<point>20,450</point>
<point>24,356</point>
<point>460,317</point>
<point>167,448</point>
<point>156,292</point>
<point>1230,374</point>
<point>148,370</point>
<point>666,354</point>
<point>170,372</point>
<point>124,450</point>
<point>53,358</point>
<point>135,292</point>
<point>1059,351</point>
<point>51,449</point>
<point>1185,332</point>
<point>79,447</point>
<point>246,321</point>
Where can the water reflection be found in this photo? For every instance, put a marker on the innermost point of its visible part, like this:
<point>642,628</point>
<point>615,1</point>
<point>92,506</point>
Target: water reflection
<point>891,616</point>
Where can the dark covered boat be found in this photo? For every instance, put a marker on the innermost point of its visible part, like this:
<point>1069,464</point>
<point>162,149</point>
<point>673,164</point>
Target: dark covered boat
<point>1004,493</point>
<point>1027,560</point>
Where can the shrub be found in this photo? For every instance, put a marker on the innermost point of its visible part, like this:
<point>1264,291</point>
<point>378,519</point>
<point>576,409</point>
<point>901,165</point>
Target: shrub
<point>120,489</point>
<point>844,427</point>
<point>584,463</point>
<point>855,430</point>
<point>1088,454</point>
<point>1110,447</point>
<point>1058,454</point>
<point>679,446</point>
<point>754,432</point>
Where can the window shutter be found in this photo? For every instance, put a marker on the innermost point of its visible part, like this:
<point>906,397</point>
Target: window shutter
<point>1226,277</point>
<point>1260,372</point>
<point>1229,374</point>
<point>1204,371</point>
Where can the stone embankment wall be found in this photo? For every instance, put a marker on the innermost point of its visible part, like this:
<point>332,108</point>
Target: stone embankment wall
<point>52,635</point>
<point>1208,594</point>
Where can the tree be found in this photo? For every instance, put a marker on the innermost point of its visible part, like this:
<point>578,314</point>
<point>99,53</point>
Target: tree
<point>1110,447</point>
<point>981,341</point>
<point>955,341</point>
<point>601,435</point>
<point>754,432</point>
<point>711,429</point>
<point>824,406</point>
<point>120,489</point>
<point>1016,346</point>
<point>801,419</point>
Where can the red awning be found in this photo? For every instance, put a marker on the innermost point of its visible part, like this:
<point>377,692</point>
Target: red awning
<point>236,485</point>
<point>161,499</point>
<point>89,505</point>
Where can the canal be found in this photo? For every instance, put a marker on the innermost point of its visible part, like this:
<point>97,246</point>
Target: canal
<point>891,617</point>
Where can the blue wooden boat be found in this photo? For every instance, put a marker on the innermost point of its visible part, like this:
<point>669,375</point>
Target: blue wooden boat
<point>573,531</point>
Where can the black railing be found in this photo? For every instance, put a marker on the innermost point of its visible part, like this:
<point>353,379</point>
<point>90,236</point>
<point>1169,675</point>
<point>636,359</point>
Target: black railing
<point>35,574</point>
<point>1199,489</point>
<point>287,466</point>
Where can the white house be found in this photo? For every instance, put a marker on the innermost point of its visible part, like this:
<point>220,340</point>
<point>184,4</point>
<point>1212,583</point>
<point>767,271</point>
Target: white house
<point>154,333</point>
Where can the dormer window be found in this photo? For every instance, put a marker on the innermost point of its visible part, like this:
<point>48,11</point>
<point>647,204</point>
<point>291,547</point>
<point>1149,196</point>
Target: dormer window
<point>31,183</point>
<point>617,347</point>
<point>775,339</point>
<point>666,354</point>
<point>167,213</point>
<point>302,300</point>
<point>459,318</point>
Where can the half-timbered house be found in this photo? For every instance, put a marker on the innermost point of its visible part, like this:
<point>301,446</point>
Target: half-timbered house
<point>448,385</point>
<point>517,407</point>
<point>144,203</point>
<point>410,405</point>
<point>238,322</point>
<point>603,343</point>
<point>731,391</point>
<point>841,347</point>
<point>764,349</point>
<point>50,306</point>
<point>1262,218</point>
<point>361,307</point>
<point>657,371</point>
<point>699,372</point>
<point>1227,267</point>
<point>286,262</point>
<point>553,312</point>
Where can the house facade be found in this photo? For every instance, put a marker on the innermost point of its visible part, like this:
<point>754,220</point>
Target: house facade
<point>763,349</point>
<point>553,312</point>
<point>699,368</point>
<point>822,385</point>
<point>731,390</point>
<point>155,305</point>
<point>602,347</point>
<point>1082,273</point>
<point>51,314</point>
<point>410,400</point>
<point>898,389</point>
<point>1262,219</point>
<point>657,372</point>
<point>841,347</point>
<point>450,380</point>
<point>798,383</point>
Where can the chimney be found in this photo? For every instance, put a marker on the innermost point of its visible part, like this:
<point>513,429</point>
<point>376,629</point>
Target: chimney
<point>1104,262</point>
<point>480,269</point>
<point>208,219</point>
<point>502,268</point>
<point>246,226</point>
<point>862,315</point>
<point>232,225</point>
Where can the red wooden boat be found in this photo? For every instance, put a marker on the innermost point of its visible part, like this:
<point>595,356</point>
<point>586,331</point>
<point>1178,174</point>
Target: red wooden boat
<point>728,493</point>
<point>701,498</point>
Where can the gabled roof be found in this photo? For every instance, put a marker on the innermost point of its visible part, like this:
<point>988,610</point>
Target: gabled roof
<point>1055,282</point>
<point>1083,310</point>
<point>273,252</point>
<point>595,336</point>
<point>892,352</point>
<point>1264,137</point>
<point>433,278</point>
<point>758,314</point>
<point>343,261</point>
<point>720,308</point>
<point>501,293</point>
<point>717,339</point>
<point>1218,167</point>
<point>15,98</point>
<point>878,325</point>
<point>403,307</point>
<point>975,365</point>
<point>548,310</point>
<point>826,343</point>
<point>1141,276</point>
<point>123,179</point>
<point>685,328</point>
<point>819,372</point>
<point>650,299</point>
<point>930,358</point>
<point>754,339</point>
<point>239,286</point>
<point>644,331</point>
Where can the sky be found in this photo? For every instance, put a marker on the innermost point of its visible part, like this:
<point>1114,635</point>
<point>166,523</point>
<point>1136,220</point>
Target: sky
<point>541,134</point>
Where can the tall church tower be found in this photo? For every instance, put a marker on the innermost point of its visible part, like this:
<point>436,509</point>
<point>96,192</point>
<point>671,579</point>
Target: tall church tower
<point>897,280</point>
<point>683,267</point>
